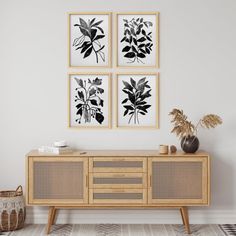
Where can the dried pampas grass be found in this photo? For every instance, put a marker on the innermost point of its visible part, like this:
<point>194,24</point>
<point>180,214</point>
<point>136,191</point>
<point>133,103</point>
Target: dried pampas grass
<point>183,127</point>
<point>210,121</point>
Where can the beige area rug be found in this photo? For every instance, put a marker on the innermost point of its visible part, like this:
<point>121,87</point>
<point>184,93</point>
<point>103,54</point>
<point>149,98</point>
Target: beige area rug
<point>119,230</point>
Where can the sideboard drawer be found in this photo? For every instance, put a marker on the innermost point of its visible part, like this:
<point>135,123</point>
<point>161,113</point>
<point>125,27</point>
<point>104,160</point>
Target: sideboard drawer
<point>118,180</point>
<point>117,196</point>
<point>117,164</point>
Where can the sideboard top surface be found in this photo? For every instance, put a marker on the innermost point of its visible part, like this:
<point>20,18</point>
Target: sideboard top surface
<point>118,153</point>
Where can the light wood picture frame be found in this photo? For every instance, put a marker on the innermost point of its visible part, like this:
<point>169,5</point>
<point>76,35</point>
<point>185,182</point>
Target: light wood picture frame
<point>137,100</point>
<point>137,39</point>
<point>89,39</point>
<point>89,100</point>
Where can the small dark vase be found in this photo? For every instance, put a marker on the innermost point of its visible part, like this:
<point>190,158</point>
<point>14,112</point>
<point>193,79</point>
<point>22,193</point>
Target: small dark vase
<point>190,144</point>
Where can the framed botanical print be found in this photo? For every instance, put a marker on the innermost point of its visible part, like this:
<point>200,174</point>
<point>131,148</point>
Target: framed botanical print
<point>89,39</point>
<point>137,100</point>
<point>89,100</point>
<point>137,39</point>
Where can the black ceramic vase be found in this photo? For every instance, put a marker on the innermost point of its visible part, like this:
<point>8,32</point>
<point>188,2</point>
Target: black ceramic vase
<point>190,144</point>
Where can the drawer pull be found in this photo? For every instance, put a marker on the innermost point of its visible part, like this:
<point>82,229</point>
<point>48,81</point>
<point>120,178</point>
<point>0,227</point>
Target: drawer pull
<point>118,159</point>
<point>118,191</point>
<point>86,180</point>
<point>118,175</point>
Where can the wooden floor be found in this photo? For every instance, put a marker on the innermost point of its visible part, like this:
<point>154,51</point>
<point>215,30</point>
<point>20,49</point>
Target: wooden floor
<point>119,230</point>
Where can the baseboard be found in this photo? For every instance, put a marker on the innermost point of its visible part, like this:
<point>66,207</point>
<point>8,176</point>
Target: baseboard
<point>39,216</point>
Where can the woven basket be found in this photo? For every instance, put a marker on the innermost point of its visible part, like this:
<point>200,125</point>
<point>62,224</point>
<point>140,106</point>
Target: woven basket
<point>12,210</point>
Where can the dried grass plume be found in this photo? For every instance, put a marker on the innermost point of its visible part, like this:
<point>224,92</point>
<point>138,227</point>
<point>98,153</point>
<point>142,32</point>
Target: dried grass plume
<point>184,127</point>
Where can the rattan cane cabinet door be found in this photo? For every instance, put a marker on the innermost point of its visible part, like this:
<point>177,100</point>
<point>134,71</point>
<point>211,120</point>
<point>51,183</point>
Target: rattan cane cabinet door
<point>57,181</point>
<point>178,181</point>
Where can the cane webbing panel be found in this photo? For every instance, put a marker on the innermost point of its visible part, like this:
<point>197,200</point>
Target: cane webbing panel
<point>176,180</point>
<point>135,180</point>
<point>118,196</point>
<point>58,180</point>
<point>115,164</point>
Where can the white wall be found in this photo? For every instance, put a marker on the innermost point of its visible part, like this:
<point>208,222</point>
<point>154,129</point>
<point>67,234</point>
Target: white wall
<point>197,74</point>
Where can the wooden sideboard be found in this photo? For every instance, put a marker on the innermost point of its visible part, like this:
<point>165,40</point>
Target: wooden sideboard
<point>118,179</point>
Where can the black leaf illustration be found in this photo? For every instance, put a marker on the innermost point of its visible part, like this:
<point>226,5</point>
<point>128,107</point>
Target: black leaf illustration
<point>126,112</point>
<point>89,31</point>
<point>88,52</point>
<point>130,55</point>
<point>137,39</point>
<point>125,100</point>
<point>100,90</point>
<point>92,21</point>
<point>86,46</point>
<point>126,49</point>
<point>81,95</point>
<point>141,81</point>
<point>133,83</point>
<point>88,100</point>
<point>83,23</point>
<point>134,49</point>
<point>135,103</point>
<point>99,37</point>
<point>79,82</point>
<point>99,117</point>
<point>93,33</point>
<point>141,55</point>
<point>123,39</point>
<point>142,39</point>
<point>84,32</point>
<point>129,107</point>
<point>80,110</point>
<point>128,86</point>
<point>92,91</point>
<point>94,102</point>
<point>97,81</point>
<point>141,50</point>
<point>125,91</point>
<point>98,23</point>
<point>141,45</point>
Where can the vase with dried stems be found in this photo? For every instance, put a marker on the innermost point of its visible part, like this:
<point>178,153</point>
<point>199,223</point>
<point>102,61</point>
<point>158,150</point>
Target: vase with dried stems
<point>187,131</point>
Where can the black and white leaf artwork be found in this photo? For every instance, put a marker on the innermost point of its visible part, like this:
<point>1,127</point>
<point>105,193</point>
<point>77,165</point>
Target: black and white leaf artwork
<point>89,42</point>
<point>88,101</point>
<point>137,40</point>
<point>137,91</point>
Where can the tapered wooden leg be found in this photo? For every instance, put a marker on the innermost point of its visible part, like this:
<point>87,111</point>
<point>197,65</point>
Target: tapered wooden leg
<point>54,215</point>
<point>182,216</point>
<point>50,219</point>
<point>185,218</point>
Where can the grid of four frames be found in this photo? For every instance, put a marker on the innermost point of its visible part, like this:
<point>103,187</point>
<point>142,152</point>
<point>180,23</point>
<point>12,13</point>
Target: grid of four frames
<point>90,47</point>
